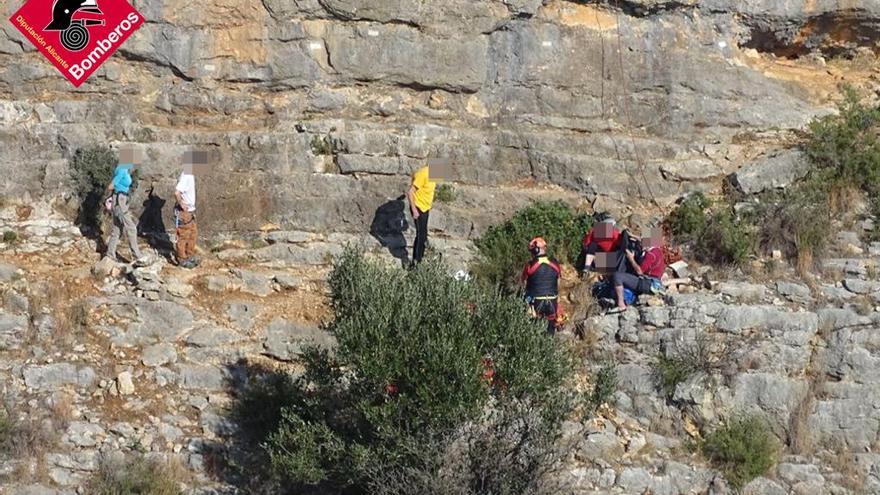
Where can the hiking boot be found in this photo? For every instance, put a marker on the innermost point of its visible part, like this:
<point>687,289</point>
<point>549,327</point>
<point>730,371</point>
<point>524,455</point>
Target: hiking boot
<point>144,260</point>
<point>187,263</point>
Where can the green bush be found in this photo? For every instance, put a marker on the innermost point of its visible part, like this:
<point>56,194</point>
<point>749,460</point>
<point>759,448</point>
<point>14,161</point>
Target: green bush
<point>10,236</point>
<point>688,358</point>
<point>503,249</point>
<point>725,239</point>
<point>669,371</point>
<point>321,146</point>
<point>743,449</point>
<point>6,432</point>
<point>845,148</point>
<point>714,231</point>
<point>91,171</point>
<point>135,475</point>
<point>604,387</point>
<point>445,193</point>
<point>419,357</point>
<point>689,218</point>
<point>794,221</point>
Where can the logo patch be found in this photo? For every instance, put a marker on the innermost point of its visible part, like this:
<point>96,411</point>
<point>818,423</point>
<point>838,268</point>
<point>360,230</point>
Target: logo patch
<point>77,36</point>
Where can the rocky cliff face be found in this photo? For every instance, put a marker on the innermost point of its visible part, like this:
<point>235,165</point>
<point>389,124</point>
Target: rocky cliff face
<point>320,107</point>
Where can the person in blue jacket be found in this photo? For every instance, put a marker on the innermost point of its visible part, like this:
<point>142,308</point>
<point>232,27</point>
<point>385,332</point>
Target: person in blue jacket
<point>119,189</point>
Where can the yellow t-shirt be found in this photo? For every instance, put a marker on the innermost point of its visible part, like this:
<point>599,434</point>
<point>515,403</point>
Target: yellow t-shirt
<point>424,194</point>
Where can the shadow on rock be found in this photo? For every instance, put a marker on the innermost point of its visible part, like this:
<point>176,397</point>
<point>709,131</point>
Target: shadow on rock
<point>151,225</point>
<point>389,224</point>
<point>259,394</point>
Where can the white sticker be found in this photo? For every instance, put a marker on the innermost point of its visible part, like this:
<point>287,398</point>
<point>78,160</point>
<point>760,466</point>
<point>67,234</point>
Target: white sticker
<point>547,43</point>
<point>315,46</point>
<point>210,67</point>
<point>373,32</point>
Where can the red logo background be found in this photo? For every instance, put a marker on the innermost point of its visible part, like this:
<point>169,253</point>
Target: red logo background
<point>82,17</point>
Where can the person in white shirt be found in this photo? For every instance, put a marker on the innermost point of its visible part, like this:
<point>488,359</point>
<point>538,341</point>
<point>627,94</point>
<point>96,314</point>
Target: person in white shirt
<point>185,216</point>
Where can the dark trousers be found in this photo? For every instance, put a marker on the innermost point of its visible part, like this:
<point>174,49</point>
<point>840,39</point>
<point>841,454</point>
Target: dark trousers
<point>547,309</point>
<point>639,285</point>
<point>421,236</point>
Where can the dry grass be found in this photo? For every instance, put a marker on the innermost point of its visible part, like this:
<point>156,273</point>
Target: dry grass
<point>806,264</point>
<point>846,199</point>
<point>62,409</point>
<point>863,305</point>
<point>846,464</point>
<point>120,474</point>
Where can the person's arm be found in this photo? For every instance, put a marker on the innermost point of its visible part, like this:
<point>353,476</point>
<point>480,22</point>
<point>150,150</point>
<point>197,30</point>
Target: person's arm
<point>179,197</point>
<point>632,262</point>
<point>410,195</point>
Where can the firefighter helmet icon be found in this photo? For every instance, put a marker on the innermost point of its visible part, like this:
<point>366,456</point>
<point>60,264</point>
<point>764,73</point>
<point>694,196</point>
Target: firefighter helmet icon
<point>73,18</point>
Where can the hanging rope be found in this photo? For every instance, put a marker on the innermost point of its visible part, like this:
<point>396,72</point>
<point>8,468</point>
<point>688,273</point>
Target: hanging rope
<point>640,164</point>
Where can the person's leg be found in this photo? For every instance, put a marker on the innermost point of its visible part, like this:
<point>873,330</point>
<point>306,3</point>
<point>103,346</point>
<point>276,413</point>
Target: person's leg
<point>588,253</point>
<point>184,241</point>
<point>129,227</point>
<point>115,233</point>
<point>194,235</point>
<point>421,236</point>
<point>621,280</point>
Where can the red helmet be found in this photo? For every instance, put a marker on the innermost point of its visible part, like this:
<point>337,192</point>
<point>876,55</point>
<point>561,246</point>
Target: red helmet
<point>537,243</point>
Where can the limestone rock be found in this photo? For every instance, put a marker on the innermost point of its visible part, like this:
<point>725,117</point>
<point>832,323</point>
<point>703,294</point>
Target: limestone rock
<point>103,268</point>
<point>794,292</point>
<point>8,273</point>
<point>739,318</point>
<point>858,286</point>
<point>284,339</point>
<point>124,383</point>
<point>776,170</point>
<point>287,282</point>
<point>53,376</point>
<point>198,377</point>
<point>213,336</point>
<point>158,355</point>
<point>12,330</point>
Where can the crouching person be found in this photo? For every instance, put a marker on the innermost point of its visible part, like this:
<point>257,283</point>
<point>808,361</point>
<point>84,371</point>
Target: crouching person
<point>648,275</point>
<point>541,276</point>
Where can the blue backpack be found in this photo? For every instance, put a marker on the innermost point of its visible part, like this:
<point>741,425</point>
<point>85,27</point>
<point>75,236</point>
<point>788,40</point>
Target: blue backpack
<point>603,291</point>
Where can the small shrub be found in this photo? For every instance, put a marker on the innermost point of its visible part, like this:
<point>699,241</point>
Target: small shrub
<point>689,218</point>
<point>321,146</point>
<point>10,236</point>
<point>445,193</point>
<point>702,355</point>
<point>135,475</point>
<point>724,239</point>
<point>419,357</point>
<point>604,387</point>
<point>743,449</point>
<point>845,148</point>
<point>503,249</point>
<point>91,170</point>
<point>670,371</point>
<point>6,430</point>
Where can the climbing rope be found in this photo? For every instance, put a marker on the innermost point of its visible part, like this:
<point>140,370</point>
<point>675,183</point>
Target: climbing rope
<point>639,162</point>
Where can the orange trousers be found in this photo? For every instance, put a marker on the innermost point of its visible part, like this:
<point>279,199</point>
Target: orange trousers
<point>186,235</point>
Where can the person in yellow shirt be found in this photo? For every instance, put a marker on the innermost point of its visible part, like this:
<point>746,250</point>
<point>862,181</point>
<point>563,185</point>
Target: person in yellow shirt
<point>421,199</point>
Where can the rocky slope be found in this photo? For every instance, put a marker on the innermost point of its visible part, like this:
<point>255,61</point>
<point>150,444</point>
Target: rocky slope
<point>320,109</point>
<point>150,360</point>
